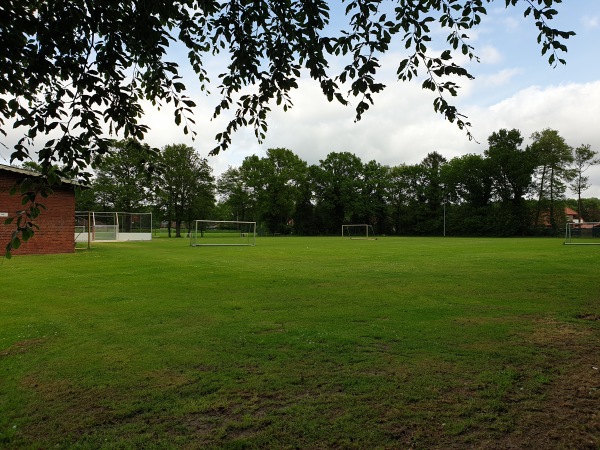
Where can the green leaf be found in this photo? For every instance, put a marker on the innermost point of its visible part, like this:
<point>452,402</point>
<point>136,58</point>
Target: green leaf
<point>26,184</point>
<point>27,234</point>
<point>15,242</point>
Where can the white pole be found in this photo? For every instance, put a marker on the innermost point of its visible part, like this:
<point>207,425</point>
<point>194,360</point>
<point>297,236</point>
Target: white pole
<point>89,227</point>
<point>444,217</point>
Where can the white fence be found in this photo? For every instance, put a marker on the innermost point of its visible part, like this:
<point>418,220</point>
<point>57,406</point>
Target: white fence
<point>92,226</point>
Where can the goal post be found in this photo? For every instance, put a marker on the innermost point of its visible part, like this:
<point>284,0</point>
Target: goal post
<point>358,231</point>
<point>222,232</point>
<point>582,233</point>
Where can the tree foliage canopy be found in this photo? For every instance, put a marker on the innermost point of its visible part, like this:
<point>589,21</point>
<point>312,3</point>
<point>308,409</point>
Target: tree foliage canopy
<point>184,185</point>
<point>123,178</point>
<point>79,69</point>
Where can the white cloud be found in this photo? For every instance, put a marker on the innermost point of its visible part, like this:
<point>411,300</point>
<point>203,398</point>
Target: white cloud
<point>571,109</point>
<point>402,127</point>
<point>395,130</point>
<point>500,78</point>
<point>590,22</point>
<point>489,54</point>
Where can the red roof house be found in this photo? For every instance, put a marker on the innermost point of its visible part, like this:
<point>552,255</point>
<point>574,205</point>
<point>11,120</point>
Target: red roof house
<point>572,216</point>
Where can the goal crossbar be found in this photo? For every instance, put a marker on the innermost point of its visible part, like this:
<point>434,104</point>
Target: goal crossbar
<point>582,233</point>
<point>217,233</point>
<point>358,231</point>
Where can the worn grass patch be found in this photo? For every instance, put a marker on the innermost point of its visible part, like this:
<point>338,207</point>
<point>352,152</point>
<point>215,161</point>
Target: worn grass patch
<point>302,343</point>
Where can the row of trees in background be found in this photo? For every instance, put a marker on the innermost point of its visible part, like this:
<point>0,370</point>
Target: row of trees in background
<point>174,183</point>
<point>508,190</point>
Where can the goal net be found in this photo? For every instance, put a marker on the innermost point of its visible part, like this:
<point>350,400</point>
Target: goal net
<point>222,232</point>
<point>112,226</point>
<point>358,231</point>
<point>582,233</point>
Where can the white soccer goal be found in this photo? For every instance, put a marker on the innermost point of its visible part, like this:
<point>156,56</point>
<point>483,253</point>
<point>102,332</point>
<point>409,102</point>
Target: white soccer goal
<point>222,232</point>
<point>358,231</point>
<point>112,226</point>
<point>582,233</point>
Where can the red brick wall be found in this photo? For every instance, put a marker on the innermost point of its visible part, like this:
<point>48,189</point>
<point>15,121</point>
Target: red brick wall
<point>57,222</point>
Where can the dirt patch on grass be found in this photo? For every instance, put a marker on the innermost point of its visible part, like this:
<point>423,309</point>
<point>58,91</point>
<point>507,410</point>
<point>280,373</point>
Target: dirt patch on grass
<point>550,402</point>
<point>64,412</point>
<point>22,347</point>
<point>563,413</point>
<point>588,316</point>
<point>61,413</point>
<point>570,417</point>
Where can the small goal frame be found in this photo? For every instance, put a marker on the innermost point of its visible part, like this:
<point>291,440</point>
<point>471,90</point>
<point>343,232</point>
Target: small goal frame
<point>113,226</point>
<point>247,236</point>
<point>367,232</point>
<point>582,233</point>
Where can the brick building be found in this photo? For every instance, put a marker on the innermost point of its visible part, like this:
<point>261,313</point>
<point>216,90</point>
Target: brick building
<point>57,222</point>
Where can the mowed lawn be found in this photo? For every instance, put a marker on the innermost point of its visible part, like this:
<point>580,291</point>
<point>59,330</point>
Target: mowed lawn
<point>303,343</point>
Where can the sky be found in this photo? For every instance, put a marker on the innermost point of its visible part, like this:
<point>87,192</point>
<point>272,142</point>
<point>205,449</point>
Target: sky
<point>514,87</point>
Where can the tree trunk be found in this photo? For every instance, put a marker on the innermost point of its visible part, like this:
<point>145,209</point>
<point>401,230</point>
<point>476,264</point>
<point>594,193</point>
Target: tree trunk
<point>540,196</point>
<point>552,219</point>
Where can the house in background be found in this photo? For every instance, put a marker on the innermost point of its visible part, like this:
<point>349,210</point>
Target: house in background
<point>572,216</point>
<point>56,223</point>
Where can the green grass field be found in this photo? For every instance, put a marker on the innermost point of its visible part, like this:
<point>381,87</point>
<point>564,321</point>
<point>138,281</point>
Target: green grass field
<point>303,343</point>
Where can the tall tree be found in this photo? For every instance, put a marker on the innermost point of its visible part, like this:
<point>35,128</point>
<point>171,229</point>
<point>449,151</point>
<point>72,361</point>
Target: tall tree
<point>468,180</point>
<point>185,186</point>
<point>72,67</point>
<point>553,157</point>
<point>338,180</point>
<point>471,209</point>
<point>235,194</point>
<point>431,193</point>
<point>373,206</point>
<point>401,192</point>
<point>275,180</point>
<point>511,172</point>
<point>583,158</point>
<point>433,182</point>
<point>511,167</point>
<point>304,215</point>
<point>124,177</point>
